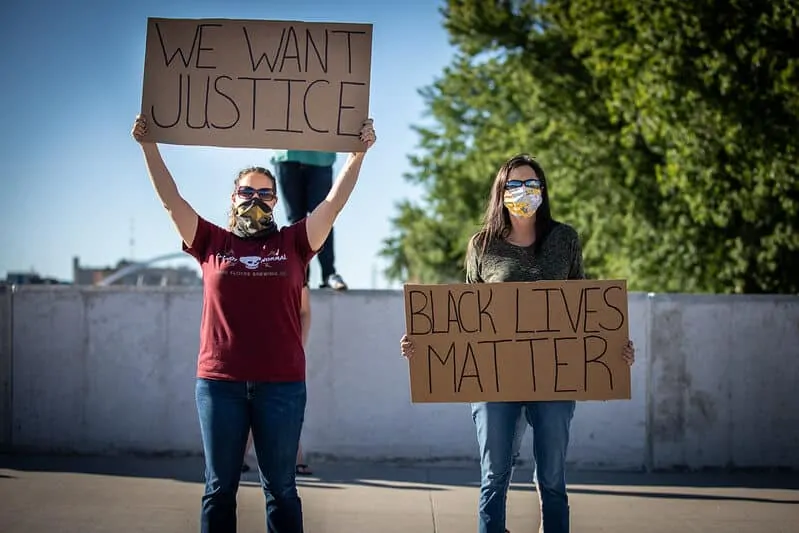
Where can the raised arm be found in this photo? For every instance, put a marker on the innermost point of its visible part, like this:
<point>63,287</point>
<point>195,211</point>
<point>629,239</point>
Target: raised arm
<point>320,221</point>
<point>182,214</point>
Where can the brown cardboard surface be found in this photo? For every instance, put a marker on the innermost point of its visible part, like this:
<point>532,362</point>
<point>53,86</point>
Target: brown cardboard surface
<point>553,340</point>
<point>257,84</point>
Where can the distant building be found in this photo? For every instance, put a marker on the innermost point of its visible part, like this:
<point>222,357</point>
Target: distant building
<point>30,278</point>
<point>144,276</point>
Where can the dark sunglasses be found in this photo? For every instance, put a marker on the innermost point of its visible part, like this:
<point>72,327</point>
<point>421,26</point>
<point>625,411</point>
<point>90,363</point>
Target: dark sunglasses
<point>533,183</point>
<point>248,192</point>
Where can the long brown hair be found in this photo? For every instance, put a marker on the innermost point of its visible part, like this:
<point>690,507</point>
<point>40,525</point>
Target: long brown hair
<point>231,220</point>
<point>496,220</point>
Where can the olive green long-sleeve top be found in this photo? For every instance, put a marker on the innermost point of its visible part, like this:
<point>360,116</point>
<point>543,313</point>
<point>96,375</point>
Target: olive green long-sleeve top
<point>560,258</point>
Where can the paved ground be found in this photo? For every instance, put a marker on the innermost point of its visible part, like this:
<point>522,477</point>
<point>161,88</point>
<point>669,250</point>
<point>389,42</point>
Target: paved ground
<point>87,495</point>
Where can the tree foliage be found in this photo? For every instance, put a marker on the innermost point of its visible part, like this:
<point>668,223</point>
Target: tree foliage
<point>669,131</point>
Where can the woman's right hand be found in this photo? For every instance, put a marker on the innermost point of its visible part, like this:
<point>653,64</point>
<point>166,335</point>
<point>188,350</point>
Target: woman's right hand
<point>406,346</point>
<point>140,129</point>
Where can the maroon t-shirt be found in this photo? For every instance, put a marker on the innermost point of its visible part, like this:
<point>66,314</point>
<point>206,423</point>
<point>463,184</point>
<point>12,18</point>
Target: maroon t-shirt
<point>252,290</point>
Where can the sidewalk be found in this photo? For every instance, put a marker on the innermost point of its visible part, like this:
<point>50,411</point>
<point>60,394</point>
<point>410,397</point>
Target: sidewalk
<point>122,495</point>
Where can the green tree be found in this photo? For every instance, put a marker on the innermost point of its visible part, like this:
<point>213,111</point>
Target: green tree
<point>665,129</point>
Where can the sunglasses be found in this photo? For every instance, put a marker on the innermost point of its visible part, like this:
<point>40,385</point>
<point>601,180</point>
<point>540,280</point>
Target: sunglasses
<point>533,183</point>
<point>264,194</point>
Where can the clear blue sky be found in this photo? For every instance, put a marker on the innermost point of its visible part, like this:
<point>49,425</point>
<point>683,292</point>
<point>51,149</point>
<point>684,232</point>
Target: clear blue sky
<point>73,179</point>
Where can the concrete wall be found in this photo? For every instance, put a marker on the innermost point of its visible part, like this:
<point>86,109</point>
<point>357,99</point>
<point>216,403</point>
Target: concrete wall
<point>6,368</point>
<point>112,370</point>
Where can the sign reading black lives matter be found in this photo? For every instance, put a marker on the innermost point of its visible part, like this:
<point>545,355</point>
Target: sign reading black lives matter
<point>559,340</point>
<point>257,84</point>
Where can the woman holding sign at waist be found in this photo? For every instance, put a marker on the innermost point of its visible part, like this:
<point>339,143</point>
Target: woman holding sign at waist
<point>251,367</point>
<point>520,242</point>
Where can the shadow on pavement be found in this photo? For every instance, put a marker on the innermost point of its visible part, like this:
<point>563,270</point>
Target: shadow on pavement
<point>332,476</point>
<point>187,469</point>
<point>682,496</point>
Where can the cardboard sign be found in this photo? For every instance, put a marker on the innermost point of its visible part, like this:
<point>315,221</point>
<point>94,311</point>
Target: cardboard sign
<point>559,340</point>
<point>257,84</point>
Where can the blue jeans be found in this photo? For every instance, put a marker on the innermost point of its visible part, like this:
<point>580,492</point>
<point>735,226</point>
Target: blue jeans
<point>274,412</point>
<point>499,435</point>
<point>303,187</point>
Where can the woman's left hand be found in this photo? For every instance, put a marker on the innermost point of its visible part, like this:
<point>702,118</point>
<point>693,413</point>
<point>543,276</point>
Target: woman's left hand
<point>628,353</point>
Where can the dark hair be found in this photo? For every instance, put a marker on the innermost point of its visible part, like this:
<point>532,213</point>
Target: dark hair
<point>231,221</point>
<point>496,220</point>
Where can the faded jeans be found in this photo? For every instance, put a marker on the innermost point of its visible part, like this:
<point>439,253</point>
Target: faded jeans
<point>499,435</point>
<point>227,411</point>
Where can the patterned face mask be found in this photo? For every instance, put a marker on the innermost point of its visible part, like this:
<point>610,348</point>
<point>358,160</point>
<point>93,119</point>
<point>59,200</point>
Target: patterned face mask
<point>253,219</point>
<point>523,201</point>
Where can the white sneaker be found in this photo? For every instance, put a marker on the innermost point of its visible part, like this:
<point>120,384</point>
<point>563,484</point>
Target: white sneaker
<point>335,282</point>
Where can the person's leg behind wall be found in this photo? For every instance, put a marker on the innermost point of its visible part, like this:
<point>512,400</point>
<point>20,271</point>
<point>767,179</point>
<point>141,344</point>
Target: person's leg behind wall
<point>496,425</point>
<point>224,424</point>
<point>551,423</point>
<point>278,410</point>
<point>320,180</point>
<point>292,190</point>
<point>302,468</point>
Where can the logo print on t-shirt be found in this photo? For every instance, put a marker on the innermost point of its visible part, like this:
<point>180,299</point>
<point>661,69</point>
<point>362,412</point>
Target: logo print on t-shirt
<point>251,261</point>
<point>226,258</point>
<point>273,256</point>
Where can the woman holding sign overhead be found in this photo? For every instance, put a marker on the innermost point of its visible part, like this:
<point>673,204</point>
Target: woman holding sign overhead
<point>520,242</point>
<point>251,367</point>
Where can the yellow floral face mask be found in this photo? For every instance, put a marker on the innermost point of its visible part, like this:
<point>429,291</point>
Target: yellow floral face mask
<point>523,201</point>
<point>253,219</point>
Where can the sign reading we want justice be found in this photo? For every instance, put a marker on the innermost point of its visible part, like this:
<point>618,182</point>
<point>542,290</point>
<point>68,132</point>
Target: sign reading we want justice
<point>559,340</point>
<point>257,84</point>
